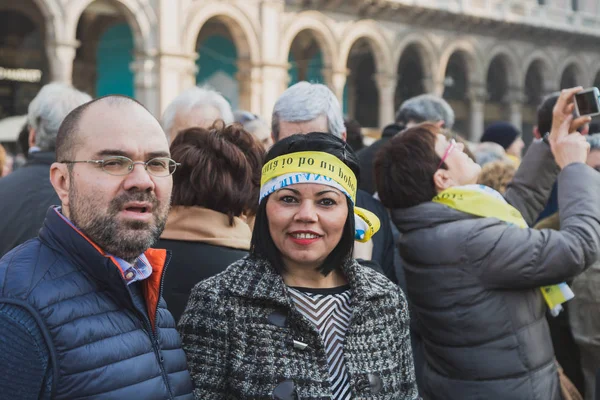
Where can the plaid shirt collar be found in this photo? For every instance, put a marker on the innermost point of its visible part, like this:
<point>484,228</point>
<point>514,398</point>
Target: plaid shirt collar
<point>138,271</point>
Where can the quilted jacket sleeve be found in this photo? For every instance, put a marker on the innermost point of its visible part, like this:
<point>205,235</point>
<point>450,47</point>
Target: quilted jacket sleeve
<point>204,332</point>
<point>25,361</point>
<point>513,258</point>
<point>529,190</point>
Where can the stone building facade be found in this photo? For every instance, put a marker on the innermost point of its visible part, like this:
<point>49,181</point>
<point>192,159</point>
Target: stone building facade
<point>492,59</point>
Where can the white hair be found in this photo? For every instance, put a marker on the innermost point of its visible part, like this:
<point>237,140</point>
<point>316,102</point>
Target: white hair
<point>49,108</point>
<point>306,101</point>
<point>196,97</point>
<point>426,107</point>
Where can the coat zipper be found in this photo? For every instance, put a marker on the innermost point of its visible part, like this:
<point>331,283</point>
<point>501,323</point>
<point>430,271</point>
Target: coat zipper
<point>160,357</point>
<point>150,332</point>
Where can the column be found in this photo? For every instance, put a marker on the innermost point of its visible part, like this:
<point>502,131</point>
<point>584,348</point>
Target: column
<point>60,58</point>
<point>274,69</point>
<point>514,105</point>
<point>275,82</point>
<point>336,80</point>
<point>146,82</point>
<point>476,97</point>
<point>172,67</point>
<point>174,74</point>
<point>249,78</point>
<point>432,86</point>
<point>386,86</point>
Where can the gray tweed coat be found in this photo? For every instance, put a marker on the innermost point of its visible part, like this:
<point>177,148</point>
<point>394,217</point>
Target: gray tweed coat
<point>242,335</point>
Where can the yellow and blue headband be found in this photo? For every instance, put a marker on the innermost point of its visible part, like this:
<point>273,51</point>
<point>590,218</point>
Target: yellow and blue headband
<point>321,168</point>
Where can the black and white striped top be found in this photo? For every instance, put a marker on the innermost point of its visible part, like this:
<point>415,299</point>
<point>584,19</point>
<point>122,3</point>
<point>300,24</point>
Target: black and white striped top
<point>330,311</point>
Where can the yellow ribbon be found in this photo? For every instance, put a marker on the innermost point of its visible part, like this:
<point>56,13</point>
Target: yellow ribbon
<point>312,162</point>
<point>482,202</point>
<point>321,168</point>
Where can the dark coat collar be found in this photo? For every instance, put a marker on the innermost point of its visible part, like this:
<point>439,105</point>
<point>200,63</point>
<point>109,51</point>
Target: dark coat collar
<point>60,236</point>
<point>41,157</point>
<point>74,245</point>
<point>256,279</point>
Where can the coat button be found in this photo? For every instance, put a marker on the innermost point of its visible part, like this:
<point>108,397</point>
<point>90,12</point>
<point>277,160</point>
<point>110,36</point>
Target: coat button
<point>286,390</point>
<point>277,318</point>
<point>375,383</point>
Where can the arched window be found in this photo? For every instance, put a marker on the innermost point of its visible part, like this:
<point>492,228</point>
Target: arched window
<point>362,95</point>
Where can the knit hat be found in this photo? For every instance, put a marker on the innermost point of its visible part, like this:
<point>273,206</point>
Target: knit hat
<point>502,133</point>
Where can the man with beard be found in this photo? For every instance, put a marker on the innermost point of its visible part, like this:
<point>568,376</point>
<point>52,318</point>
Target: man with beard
<point>81,312</point>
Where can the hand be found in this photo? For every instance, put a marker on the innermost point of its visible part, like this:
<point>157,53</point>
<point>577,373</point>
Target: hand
<point>568,146</point>
<point>363,250</point>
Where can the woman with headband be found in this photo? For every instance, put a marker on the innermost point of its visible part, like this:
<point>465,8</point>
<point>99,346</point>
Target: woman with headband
<point>299,318</point>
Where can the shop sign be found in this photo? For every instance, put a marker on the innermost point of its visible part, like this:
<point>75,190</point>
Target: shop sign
<point>20,75</point>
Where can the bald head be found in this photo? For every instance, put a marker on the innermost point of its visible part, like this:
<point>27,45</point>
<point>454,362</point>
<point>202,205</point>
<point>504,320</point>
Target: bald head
<point>70,133</point>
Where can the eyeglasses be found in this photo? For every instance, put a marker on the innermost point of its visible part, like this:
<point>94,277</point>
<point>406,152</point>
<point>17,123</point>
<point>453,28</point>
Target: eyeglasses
<point>451,147</point>
<point>120,166</point>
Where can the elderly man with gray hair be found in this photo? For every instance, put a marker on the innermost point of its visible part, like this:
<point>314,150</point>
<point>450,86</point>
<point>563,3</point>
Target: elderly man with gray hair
<point>425,107</point>
<point>307,107</point>
<point>310,107</point>
<point>195,107</point>
<point>27,193</point>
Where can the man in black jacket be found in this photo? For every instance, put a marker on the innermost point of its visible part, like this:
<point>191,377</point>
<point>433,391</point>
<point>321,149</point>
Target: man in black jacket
<point>426,107</point>
<point>26,194</point>
<point>307,107</point>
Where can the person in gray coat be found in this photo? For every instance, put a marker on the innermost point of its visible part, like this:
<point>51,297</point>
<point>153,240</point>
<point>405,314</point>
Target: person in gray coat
<point>474,276</point>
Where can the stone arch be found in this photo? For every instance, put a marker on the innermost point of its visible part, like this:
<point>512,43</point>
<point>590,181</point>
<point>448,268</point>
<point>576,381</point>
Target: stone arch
<point>580,70</point>
<point>473,64</point>
<point>537,66</point>
<point>426,51</point>
<point>509,59</point>
<point>51,11</point>
<point>139,16</point>
<point>544,60</point>
<point>244,34</point>
<point>315,23</point>
<point>366,30</point>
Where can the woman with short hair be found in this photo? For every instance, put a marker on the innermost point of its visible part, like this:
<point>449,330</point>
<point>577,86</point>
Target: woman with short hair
<point>299,318</point>
<point>583,309</point>
<point>479,280</point>
<point>214,193</point>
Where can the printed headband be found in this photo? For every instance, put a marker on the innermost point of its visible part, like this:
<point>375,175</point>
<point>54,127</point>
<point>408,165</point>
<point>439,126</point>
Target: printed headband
<point>321,168</point>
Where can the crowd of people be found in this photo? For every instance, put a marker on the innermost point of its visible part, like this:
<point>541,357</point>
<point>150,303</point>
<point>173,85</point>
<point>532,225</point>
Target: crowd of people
<point>210,255</point>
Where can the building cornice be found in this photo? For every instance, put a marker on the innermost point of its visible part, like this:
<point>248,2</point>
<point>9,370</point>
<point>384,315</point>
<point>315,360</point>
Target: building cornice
<point>509,20</point>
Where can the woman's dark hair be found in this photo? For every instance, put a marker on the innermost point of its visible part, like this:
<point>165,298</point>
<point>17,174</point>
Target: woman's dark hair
<point>220,169</point>
<point>405,165</point>
<point>262,245</point>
